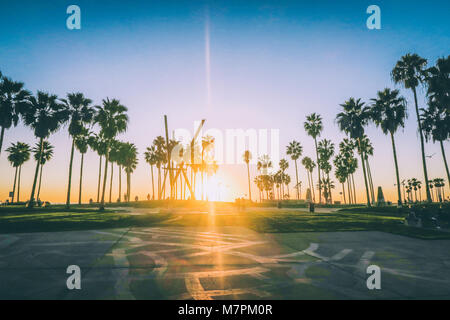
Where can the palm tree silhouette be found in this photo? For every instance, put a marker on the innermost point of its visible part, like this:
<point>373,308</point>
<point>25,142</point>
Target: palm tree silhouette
<point>19,153</point>
<point>326,151</point>
<point>161,158</point>
<point>295,150</point>
<point>352,121</point>
<point>80,114</point>
<point>151,158</point>
<point>44,115</point>
<point>309,165</point>
<point>436,118</point>
<point>43,155</point>
<point>82,144</point>
<point>313,127</point>
<point>112,118</point>
<point>247,156</point>
<point>13,101</point>
<point>389,113</point>
<point>283,164</point>
<point>130,162</point>
<point>410,72</point>
<point>114,157</point>
<point>366,148</point>
<point>98,143</point>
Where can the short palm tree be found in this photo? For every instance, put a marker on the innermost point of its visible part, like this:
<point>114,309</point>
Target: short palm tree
<point>352,121</point>
<point>44,115</point>
<point>13,101</point>
<point>18,154</point>
<point>151,159</point>
<point>129,163</point>
<point>309,165</point>
<point>389,113</point>
<point>313,127</point>
<point>247,156</point>
<point>112,119</point>
<point>82,144</point>
<point>410,72</point>
<point>80,114</point>
<point>43,156</point>
<point>98,143</point>
<point>295,150</point>
<point>326,151</point>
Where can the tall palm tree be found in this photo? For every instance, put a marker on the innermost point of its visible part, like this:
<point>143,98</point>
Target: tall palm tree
<point>295,150</point>
<point>82,144</point>
<point>129,163</point>
<point>313,127</point>
<point>326,151</point>
<point>80,114</point>
<point>13,101</point>
<point>366,148</point>
<point>389,113</point>
<point>247,156</point>
<point>436,119</point>
<point>44,114</point>
<point>19,153</point>
<point>112,118</point>
<point>159,142</point>
<point>352,121</point>
<point>151,159</point>
<point>283,164</point>
<point>43,155</point>
<point>410,72</point>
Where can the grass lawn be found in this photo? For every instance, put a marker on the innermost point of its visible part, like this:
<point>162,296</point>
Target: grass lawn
<point>57,218</point>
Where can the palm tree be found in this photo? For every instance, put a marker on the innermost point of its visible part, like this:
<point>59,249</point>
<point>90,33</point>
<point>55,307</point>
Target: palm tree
<point>207,142</point>
<point>436,118</point>
<point>19,153</point>
<point>151,159</point>
<point>98,143</point>
<point>159,144</point>
<point>283,164</point>
<point>326,151</point>
<point>114,157</point>
<point>389,113</point>
<point>44,114</point>
<point>82,144</point>
<point>113,120</point>
<point>247,156</point>
<point>295,150</point>
<point>43,155</point>
<point>80,114</point>
<point>366,148</point>
<point>341,172</point>
<point>410,71</point>
<point>13,101</point>
<point>309,166</point>
<point>352,121</point>
<point>129,163</point>
<point>313,127</point>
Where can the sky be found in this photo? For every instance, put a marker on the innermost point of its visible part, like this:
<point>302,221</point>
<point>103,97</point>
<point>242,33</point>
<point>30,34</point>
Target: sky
<point>239,65</point>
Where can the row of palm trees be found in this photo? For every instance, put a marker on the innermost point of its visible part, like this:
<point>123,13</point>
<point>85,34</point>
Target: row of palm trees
<point>388,111</point>
<point>45,114</point>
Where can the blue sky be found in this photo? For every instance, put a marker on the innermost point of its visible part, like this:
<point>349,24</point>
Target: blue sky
<point>272,63</point>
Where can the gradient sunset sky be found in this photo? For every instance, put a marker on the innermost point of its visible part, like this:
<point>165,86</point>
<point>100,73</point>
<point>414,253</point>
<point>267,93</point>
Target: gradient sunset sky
<point>271,63</point>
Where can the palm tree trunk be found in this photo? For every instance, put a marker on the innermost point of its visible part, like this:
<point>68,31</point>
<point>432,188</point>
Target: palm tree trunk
<point>70,174</point>
<point>18,183</point>
<point>296,179</point>
<point>318,171</point>
<point>40,180</point>
<point>120,183</point>
<point>153,183</point>
<point>99,179</point>
<point>369,175</point>
<point>128,185</point>
<point>312,186</point>
<point>2,134</point>
<point>111,181</point>
<point>365,174</point>
<point>81,178</point>
<point>343,192</point>
<point>249,186</point>
<point>14,185</point>
<point>159,183</point>
<point>349,190</point>
<point>38,164</point>
<point>105,177</point>
<point>399,193</point>
<point>422,146</point>
<point>354,189</point>
<point>445,162</point>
